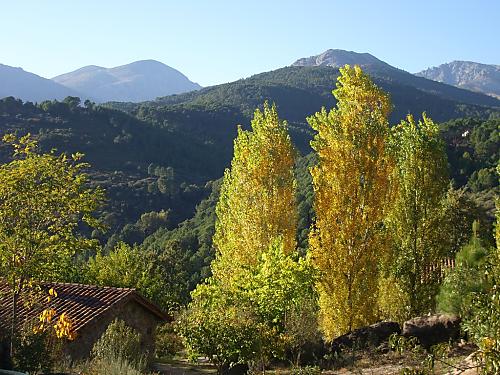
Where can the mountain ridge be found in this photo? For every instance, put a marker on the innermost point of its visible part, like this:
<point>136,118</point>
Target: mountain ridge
<point>470,75</point>
<point>17,82</point>
<point>137,81</point>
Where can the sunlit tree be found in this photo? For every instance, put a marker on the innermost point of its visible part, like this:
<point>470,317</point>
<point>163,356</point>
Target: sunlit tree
<point>350,184</point>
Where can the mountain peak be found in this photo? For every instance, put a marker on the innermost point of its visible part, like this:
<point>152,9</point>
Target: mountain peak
<point>134,82</point>
<point>469,75</point>
<point>337,58</point>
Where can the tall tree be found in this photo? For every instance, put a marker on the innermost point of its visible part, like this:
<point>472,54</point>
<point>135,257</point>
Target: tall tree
<point>257,199</point>
<point>256,280</point>
<point>417,219</point>
<point>43,200</point>
<point>351,190</point>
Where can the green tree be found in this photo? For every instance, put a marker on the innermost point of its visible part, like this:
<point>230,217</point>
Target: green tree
<point>43,200</point>
<point>252,320</point>
<point>239,314</point>
<point>484,322</point>
<point>417,216</point>
<point>350,185</point>
<point>466,279</point>
<point>159,276</point>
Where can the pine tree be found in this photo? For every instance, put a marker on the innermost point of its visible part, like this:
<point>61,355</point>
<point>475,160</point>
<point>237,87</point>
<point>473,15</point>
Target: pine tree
<point>257,200</point>
<point>351,189</point>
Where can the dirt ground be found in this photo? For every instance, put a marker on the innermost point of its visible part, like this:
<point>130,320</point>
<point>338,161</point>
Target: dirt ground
<point>457,362</point>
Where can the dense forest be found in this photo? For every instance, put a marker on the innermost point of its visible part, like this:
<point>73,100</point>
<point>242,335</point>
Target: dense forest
<point>195,211</point>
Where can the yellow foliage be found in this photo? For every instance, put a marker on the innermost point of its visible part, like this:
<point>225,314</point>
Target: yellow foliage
<point>257,200</point>
<point>351,188</point>
<point>63,327</point>
<point>392,300</point>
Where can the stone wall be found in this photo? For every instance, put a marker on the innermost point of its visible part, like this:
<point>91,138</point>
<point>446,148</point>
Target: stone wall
<point>131,312</point>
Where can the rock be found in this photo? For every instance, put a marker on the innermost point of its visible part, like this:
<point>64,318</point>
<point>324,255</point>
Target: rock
<point>433,329</point>
<point>373,335</point>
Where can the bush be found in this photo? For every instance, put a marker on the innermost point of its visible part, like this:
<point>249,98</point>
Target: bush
<point>119,344</point>
<point>167,342</point>
<point>31,353</point>
<point>483,325</point>
<point>35,352</point>
<point>463,282</point>
<point>111,366</point>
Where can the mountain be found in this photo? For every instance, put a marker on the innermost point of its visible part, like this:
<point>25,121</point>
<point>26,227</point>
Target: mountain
<point>300,91</point>
<point>29,87</point>
<point>134,82</point>
<point>337,58</point>
<point>468,75</point>
<point>379,69</point>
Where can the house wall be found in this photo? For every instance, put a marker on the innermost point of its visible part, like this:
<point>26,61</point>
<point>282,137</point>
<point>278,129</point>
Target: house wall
<point>131,312</point>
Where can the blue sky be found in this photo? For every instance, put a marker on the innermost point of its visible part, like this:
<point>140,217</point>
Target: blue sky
<point>216,41</point>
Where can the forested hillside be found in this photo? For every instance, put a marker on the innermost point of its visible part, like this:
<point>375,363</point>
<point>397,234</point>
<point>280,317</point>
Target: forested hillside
<point>143,167</point>
<point>159,155</point>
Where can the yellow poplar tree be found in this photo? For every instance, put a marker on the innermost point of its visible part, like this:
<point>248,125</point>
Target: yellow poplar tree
<point>351,189</point>
<point>257,200</point>
<point>416,220</point>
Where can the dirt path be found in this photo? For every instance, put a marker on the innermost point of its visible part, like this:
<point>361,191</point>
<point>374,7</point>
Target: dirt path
<point>183,367</point>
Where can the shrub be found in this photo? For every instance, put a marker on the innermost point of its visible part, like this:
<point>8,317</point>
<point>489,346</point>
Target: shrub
<point>111,366</point>
<point>483,325</point>
<point>167,342</point>
<point>31,353</point>
<point>35,351</point>
<point>463,282</point>
<point>120,343</point>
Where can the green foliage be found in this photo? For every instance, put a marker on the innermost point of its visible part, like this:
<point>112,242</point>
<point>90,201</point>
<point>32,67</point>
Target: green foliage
<point>416,217</point>
<point>43,200</point>
<point>120,342</point>
<point>472,146</point>
<point>464,281</point>
<point>167,342</point>
<point>247,320</point>
<point>219,329</point>
<point>483,323</point>
<point>157,276</point>
<point>33,352</point>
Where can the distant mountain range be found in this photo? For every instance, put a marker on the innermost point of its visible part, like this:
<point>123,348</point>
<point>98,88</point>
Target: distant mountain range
<point>306,83</point>
<point>336,58</point>
<point>468,75</point>
<point>134,82</point>
<point>302,88</point>
<point>28,86</point>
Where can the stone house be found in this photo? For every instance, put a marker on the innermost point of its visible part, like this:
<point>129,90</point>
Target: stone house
<point>91,309</point>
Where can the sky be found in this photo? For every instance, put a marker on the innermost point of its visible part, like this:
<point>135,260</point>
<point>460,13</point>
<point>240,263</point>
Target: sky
<point>217,41</point>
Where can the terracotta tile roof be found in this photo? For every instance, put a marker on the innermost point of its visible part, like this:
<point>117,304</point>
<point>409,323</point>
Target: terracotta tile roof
<point>82,303</point>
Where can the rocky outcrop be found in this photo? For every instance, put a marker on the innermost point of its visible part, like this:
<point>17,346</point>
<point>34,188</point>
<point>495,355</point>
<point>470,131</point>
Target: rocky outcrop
<point>469,75</point>
<point>337,58</point>
<point>433,329</point>
<point>373,335</point>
